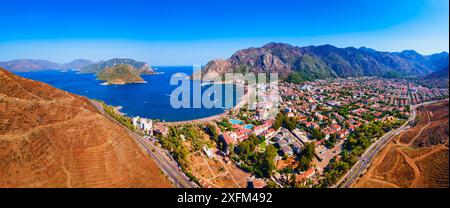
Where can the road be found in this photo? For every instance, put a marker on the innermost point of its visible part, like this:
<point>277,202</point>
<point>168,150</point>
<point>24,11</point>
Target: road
<point>364,161</point>
<point>167,164</point>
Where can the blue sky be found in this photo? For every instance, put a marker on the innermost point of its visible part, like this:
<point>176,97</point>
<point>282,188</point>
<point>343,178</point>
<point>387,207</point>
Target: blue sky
<point>169,32</point>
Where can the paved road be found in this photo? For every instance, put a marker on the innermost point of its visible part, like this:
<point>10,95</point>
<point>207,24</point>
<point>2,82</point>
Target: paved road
<point>167,164</point>
<point>364,161</point>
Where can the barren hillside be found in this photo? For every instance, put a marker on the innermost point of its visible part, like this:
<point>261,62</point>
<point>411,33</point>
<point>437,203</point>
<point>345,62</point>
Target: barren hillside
<point>418,157</point>
<point>51,138</point>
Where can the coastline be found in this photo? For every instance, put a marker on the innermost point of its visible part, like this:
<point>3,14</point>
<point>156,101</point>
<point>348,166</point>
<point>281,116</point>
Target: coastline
<point>122,83</point>
<point>241,103</point>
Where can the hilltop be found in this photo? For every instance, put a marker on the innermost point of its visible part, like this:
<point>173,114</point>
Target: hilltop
<point>436,79</point>
<point>82,65</point>
<point>318,62</point>
<point>52,138</point>
<point>441,74</point>
<point>77,64</point>
<point>27,65</point>
<point>120,74</point>
<point>141,67</point>
<point>30,65</point>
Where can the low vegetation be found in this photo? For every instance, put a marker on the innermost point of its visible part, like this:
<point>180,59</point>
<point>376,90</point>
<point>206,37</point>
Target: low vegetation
<point>261,164</point>
<point>124,120</point>
<point>354,147</point>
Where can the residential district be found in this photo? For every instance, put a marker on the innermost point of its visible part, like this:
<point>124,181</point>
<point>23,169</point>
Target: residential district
<point>317,134</point>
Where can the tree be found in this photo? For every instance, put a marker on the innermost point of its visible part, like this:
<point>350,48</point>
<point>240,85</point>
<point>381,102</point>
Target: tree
<point>271,184</point>
<point>333,138</point>
<point>212,130</point>
<point>269,160</point>
<point>331,141</point>
<point>303,164</point>
<point>296,77</point>
<point>278,120</point>
<point>308,150</point>
<point>329,144</point>
<point>317,134</point>
<point>290,123</point>
<point>246,147</point>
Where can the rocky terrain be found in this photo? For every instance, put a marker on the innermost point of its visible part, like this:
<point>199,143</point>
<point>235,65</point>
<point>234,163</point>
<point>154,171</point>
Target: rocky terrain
<point>418,157</point>
<point>436,79</point>
<point>120,74</point>
<point>82,65</point>
<point>51,138</point>
<point>318,62</point>
<point>142,67</point>
<point>28,65</point>
<point>77,64</point>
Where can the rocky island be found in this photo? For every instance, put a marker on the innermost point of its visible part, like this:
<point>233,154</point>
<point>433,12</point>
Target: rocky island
<point>120,74</point>
<point>140,66</point>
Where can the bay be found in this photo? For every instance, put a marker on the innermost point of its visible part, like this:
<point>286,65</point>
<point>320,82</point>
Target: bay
<point>149,100</point>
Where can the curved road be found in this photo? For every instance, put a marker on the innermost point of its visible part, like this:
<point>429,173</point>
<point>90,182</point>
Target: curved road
<point>364,161</point>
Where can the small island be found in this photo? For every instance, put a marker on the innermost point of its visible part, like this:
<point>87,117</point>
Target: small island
<point>120,74</point>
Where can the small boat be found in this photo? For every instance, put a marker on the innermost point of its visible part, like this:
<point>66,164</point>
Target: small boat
<point>205,84</point>
<point>178,75</point>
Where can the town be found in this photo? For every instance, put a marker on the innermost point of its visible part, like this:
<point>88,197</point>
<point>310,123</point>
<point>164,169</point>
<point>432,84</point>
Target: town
<point>318,131</point>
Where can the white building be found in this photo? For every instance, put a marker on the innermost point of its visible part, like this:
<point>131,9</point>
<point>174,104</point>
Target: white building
<point>136,121</point>
<point>208,151</point>
<point>146,125</point>
<point>143,124</point>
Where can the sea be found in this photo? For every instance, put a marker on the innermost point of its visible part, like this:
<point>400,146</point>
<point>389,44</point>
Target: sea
<point>147,100</point>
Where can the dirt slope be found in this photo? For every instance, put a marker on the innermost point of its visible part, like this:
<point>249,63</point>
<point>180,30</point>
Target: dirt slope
<point>51,138</point>
<point>418,157</point>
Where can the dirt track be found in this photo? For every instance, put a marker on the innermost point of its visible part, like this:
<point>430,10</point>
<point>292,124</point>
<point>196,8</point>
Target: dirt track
<point>51,138</point>
<point>416,158</point>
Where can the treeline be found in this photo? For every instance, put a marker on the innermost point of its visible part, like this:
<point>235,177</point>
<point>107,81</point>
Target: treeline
<point>260,164</point>
<point>124,120</point>
<point>354,147</point>
<point>306,156</point>
<point>225,125</point>
<point>282,120</point>
<point>173,142</point>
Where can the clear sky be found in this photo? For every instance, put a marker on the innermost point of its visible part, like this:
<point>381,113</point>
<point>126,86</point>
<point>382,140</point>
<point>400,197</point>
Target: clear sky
<point>170,32</point>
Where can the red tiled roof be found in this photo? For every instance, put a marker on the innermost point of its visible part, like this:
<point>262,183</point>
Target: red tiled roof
<point>305,175</point>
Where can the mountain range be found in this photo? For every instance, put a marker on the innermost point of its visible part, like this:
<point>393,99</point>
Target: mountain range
<point>27,65</point>
<point>294,63</point>
<point>436,79</point>
<point>441,74</point>
<point>82,65</point>
<point>327,61</point>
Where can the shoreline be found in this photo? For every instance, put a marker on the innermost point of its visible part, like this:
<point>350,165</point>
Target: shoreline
<point>241,103</point>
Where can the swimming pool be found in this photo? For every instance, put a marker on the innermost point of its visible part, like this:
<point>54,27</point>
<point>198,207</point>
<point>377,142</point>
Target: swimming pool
<point>248,126</point>
<point>236,121</point>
